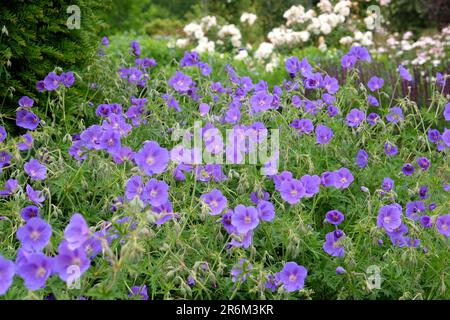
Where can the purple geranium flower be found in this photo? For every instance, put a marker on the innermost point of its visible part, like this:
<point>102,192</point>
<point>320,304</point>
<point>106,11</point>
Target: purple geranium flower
<point>362,158</point>
<point>414,208</point>
<point>375,83</point>
<point>348,61</point>
<point>215,200</point>
<point>292,191</point>
<point>134,187</point>
<point>7,271</point>
<point>447,112</point>
<point>35,170</point>
<point>29,212</point>
<point>135,48</point>
<point>311,184</point>
<point>51,81</point>
<point>3,134</point>
<point>152,158</point>
<point>11,186</point>
<point>334,217</point>
<point>261,101</point>
<point>395,115</point>
<point>423,192</point>
<point>292,65</point>
<point>266,210</point>
<point>35,196</point>
<point>26,102</point>
<point>303,126</point>
<point>340,270</point>
<point>408,169</point>
<point>355,117</point>
<point>34,235</point>
<point>424,163</point>
<point>67,78</point>
<point>426,221</point>
<point>155,192</point>
<point>27,142</point>
<point>323,134</point>
<point>373,118</point>
<point>189,59</point>
<point>180,82</point>
<point>343,178</point>
<point>240,271</point>
<point>245,218</point>
<point>387,184</point>
<point>70,264</point>
<point>27,119</point>
<point>330,84</point>
<point>333,244</point>
<point>292,276</point>
<point>76,232</point>
<point>372,101</point>
<point>443,224</point>
<point>35,270</point>
<point>361,53</point>
<point>404,73</point>
<point>139,291</point>
<point>390,217</point>
<point>390,149</point>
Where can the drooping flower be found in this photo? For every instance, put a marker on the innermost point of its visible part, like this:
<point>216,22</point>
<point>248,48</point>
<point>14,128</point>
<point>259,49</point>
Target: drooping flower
<point>334,217</point>
<point>35,170</point>
<point>35,196</point>
<point>389,217</point>
<point>35,270</point>
<point>271,283</point>
<point>215,200</point>
<point>292,276</point>
<point>135,48</point>
<point>7,272</point>
<point>152,158</point>
<point>241,271</point>
<point>76,232</point>
<point>404,73</point>
<point>245,218</point>
<point>362,158</point>
<point>372,101</point>
<point>3,134</point>
<point>27,142</point>
<point>333,243</point>
<point>266,210</point>
<point>447,112</point>
<point>70,264</point>
<point>35,234</point>
<point>164,213</point>
<point>340,270</point>
<point>11,186</point>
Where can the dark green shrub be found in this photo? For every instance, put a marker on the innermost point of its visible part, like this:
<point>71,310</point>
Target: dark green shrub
<point>35,39</point>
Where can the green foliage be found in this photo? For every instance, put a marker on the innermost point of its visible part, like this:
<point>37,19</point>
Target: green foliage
<point>35,39</point>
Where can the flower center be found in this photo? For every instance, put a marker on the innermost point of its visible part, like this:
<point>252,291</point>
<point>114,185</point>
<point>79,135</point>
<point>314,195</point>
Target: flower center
<point>40,272</point>
<point>150,160</point>
<point>35,235</point>
<point>292,277</point>
<point>248,219</point>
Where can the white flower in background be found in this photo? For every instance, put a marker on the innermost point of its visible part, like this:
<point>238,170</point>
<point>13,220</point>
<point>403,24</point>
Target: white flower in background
<point>342,8</point>
<point>365,39</point>
<point>248,18</point>
<point>241,55</point>
<point>384,2</point>
<point>325,6</point>
<point>208,22</point>
<point>204,45</point>
<point>264,50</point>
<point>182,42</point>
<point>273,63</point>
<point>194,30</point>
<point>249,46</point>
<point>230,30</point>
<point>346,41</point>
<point>322,45</point>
